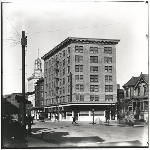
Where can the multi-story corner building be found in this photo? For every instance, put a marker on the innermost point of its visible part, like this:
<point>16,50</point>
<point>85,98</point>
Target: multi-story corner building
<point>39,97</point>
<point>80,78</point>
<point>136,92</point>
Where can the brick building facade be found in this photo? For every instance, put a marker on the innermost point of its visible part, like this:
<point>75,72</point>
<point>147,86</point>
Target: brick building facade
<point>79,76</point>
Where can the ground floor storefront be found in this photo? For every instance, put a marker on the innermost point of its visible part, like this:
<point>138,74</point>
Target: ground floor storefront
<point>82,112</point>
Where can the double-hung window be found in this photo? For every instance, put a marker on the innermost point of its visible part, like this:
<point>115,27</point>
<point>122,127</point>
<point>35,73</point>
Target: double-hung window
<point>93,68</point>
<point>107,59</point>
<point>93,50</point>
<point>78,58</point>
<point>94,88</point>
<point>79,49</point>
<point>93,78</point>
<point>93,59</point>
<point>108,50</point>
<point>94,97</point>
<point>108,88</point>
<point>79,88</point>
<point>108,97</point>
<point>78,68</point>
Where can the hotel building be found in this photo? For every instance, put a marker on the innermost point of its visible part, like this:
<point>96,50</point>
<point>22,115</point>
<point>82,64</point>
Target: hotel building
<point>80,79</point>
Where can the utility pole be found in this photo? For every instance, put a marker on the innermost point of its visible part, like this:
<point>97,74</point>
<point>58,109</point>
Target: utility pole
<point>22,106</point>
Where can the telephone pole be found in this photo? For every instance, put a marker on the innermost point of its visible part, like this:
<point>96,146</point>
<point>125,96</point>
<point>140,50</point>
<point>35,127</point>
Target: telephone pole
<point>22,106</point>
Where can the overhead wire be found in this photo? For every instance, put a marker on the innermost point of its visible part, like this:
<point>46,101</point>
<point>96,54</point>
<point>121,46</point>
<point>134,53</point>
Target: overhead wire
<point>12,25</point>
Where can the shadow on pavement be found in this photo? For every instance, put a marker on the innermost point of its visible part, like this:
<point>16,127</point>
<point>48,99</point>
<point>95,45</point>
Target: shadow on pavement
<point>59,138</point>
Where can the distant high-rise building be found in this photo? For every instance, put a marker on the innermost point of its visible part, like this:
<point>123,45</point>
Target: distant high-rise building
<point>80,78</point>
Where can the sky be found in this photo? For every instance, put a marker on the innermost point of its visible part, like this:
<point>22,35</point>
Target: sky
<point>46,24</point>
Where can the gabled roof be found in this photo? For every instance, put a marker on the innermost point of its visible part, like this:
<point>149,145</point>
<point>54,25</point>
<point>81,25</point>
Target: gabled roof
<point>143,78</point>
<point>134,80</point>
<point>146,77</point>
<point>131,82</point>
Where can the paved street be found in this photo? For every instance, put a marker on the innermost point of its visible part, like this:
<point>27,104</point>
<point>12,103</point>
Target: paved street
<point>85,134</point>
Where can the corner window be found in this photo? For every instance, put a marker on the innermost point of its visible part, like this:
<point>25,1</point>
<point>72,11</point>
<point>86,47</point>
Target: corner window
<point>108,50</point>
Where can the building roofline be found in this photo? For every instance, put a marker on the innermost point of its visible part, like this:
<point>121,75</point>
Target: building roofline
<point>75,39</point>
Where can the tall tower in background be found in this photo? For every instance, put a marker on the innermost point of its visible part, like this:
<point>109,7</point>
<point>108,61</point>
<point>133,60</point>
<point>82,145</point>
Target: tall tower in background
<point>33,79</point>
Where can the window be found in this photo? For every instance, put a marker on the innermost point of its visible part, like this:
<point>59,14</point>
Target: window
<point>68,88</point>
<point>69,50</point>
<point>78,77</point>
<point>63,62</point>
<point>108,50</point>
<point>107,59</point>
<point>42,94</point>
<point>127,93</point>
<point>108,88</point>
<point>60,91</point>
<point>94,50</point>
<point>78,68</point>
<point>64,71</point>
<point>79,97</point>
<point>93,78</point>
<point>78,58</point>
<point>79,87</point>
<point>108,78</point>
<point>63,80</point>
<point>94,88</point>
<point>68,60</point>
<point>42,87</point>
<point>144,90</point>
<point>93,59</point>
<point>93,68</point>
<point>79,49</point>
<point>108,69</point>
<point>94,97</point>
<point>64,53</point>
<point>68,79</point>
<point>108,97</point>
<point>138,91</point>
<point>63,90</point>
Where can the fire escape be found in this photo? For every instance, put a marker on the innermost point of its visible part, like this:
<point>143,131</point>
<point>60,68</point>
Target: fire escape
<point>56,81</point>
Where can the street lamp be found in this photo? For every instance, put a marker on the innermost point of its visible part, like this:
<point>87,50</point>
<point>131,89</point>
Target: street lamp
<point>93,116</point>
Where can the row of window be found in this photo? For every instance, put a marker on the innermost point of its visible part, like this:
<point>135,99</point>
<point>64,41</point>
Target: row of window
<point>107,50</point>
<point>80,97</point>
<point>80,88</point>
<point>79,68</point>
<point>93,59</point>
<point>79,49</point>
<point>93,78</point>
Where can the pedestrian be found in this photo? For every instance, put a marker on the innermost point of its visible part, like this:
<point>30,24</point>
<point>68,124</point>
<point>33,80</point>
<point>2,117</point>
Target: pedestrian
<point>74,121</point>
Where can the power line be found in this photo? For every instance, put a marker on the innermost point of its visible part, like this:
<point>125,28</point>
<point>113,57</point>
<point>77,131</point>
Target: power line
<point>79,28</point>
<point>11,24</point>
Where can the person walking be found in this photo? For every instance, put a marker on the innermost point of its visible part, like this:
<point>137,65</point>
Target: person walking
<point>74,120</point>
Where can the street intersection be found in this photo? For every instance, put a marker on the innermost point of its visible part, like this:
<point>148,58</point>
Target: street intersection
<point>86,134</point>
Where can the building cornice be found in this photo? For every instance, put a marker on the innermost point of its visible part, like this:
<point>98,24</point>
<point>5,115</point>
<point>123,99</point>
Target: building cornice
<point>79,40</point>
